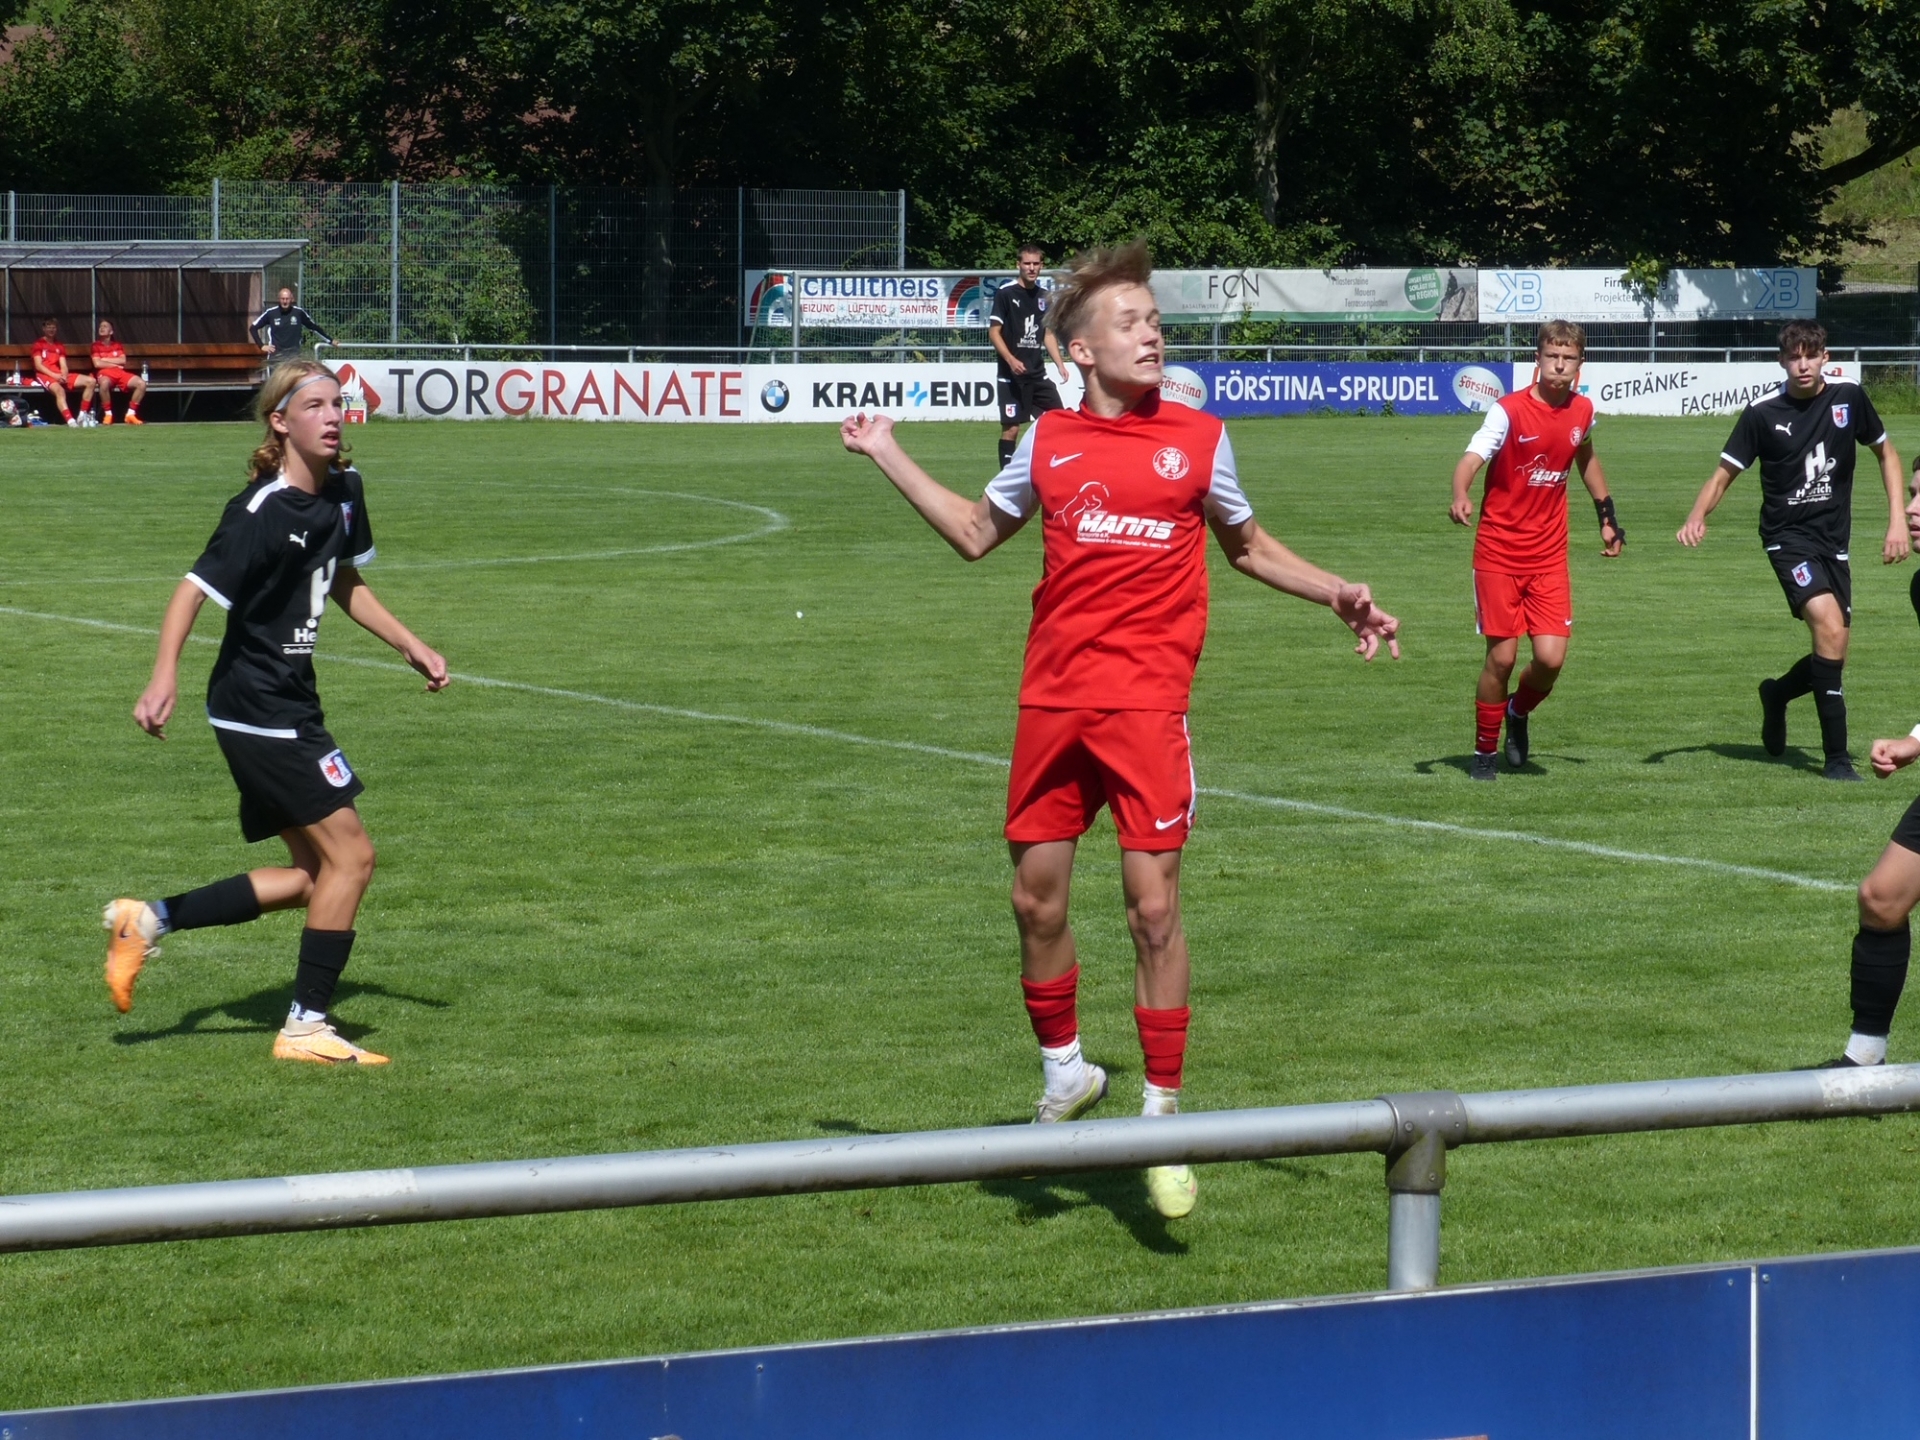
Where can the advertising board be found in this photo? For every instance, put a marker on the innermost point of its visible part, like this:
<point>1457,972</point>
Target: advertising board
<point>871,300</point>
<point>1424,293</point>
<point>1236,388</point>
<point>1603,296</point>
<point>1663,389</point>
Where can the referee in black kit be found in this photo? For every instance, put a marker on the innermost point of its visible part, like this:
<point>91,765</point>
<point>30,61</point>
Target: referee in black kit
<point>1804,439</point>
<point>280,330</point>
<point>1017,328</point>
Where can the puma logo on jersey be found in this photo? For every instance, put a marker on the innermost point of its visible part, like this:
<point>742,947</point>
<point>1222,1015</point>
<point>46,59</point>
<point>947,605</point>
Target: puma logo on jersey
<point>1784,429</point>
<point>1054,462</point>
<point>300,539</point>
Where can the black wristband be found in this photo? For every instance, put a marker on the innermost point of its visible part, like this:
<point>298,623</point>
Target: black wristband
<point>1603,508</point>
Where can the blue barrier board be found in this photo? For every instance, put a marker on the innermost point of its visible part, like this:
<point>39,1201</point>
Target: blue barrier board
<point>1840,1346</point>
<point>1664,1354</point>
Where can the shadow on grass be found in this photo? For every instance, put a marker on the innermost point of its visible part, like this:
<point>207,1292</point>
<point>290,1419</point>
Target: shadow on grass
<point>1794,759</point>
<point>1121,1193</point>
<point>1463,763</point>
<point>263,1011</point>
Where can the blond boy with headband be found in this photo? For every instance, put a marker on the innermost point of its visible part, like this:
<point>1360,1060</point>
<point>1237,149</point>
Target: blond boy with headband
<point>297,535</point>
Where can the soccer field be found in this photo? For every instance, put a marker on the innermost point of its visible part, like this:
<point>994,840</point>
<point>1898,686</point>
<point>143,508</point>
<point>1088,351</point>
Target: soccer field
<point>705,848</point>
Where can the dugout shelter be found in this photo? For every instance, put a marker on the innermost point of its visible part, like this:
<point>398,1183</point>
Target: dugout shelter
<point>180,307</point>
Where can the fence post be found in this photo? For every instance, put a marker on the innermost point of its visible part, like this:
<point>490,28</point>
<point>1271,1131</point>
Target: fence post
<point>553,267</point>
<point>216,209</point>
<point>740,267</point>
<point>901,264</point>
<point>1424,1125</point>
<point>393,299</point>
<point>13,201</point>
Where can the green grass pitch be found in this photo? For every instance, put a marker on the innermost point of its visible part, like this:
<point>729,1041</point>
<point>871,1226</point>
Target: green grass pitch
<point>600,927</point>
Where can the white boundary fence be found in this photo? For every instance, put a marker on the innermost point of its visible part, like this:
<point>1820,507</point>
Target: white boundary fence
<point>1413,1131</point>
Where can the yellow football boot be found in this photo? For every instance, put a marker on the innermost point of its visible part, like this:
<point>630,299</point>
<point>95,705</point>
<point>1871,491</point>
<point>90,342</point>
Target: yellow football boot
<point>132,927</point>
<point>320,1043</point>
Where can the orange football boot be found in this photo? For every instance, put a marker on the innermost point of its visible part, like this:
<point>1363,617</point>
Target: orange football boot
<point>133,419</point>
<point>319,1042</point>
<point>132,927</point>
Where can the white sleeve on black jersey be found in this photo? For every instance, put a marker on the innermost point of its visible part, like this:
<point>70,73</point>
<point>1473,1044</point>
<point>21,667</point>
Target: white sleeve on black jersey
<point>1012,489</point>
<point>360,528</point>
<point>1225,498</point>
<point>1491,435</point>
<point>1869,421</point>
<point>998,314</point>
<point>222,570</point>
<point>1743,445</point>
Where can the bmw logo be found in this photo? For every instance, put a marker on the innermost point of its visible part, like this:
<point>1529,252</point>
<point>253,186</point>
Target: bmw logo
<point>773,396</point>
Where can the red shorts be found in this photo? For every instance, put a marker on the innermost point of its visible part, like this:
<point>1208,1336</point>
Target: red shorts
<point>1509,605</point>
<point>47,382</point>
<point>1068,763</point>
<point>116,376</point>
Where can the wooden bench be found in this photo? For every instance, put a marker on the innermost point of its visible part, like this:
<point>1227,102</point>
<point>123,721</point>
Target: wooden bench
<point>224,366</point>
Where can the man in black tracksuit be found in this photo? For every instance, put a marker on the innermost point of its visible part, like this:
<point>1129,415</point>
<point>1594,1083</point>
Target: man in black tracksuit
<point>280,330</point>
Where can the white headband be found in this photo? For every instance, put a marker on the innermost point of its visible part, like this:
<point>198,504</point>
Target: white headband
<point>287,399</point>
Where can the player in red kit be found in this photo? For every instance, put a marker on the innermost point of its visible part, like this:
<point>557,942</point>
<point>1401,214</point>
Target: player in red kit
<point>109,370</point>
<point>1520,582</point>
<point>50,372</point>
<point>1126,487</point>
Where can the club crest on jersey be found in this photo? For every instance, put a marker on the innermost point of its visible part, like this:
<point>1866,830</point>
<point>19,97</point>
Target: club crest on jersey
<point>1574,436</point>
<point>335,769</point>
<point>1840,413</point>
<point>346,515</point>
<point>1171,463</point>
<point>1803,574</point>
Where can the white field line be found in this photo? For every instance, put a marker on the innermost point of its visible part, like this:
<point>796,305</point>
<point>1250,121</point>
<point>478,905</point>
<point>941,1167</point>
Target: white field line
<point>847,737</point>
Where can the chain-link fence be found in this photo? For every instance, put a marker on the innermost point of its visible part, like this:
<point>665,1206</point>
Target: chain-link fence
<point>507,264</point>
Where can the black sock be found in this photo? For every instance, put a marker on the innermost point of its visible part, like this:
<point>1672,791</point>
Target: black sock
<point>1879,975</point>
<point>1007,447</point>
<point>225,902</point>
<point>323,955</point>
<point>1796,682</point>
<point>1831,701</point>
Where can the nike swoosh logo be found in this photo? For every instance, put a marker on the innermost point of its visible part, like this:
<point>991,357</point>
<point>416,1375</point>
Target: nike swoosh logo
<point>1168,824</point>
<point>1524,439</point>
<point>1056,461</point>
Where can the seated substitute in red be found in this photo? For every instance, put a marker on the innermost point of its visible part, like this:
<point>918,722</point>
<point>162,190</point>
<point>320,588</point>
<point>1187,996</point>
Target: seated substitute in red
<point>1126,488</point>
<point>50,372</point>
<point>109,370</point>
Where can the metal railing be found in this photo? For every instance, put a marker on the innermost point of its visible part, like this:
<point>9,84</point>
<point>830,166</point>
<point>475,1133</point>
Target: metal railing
<point>1413,1131</point>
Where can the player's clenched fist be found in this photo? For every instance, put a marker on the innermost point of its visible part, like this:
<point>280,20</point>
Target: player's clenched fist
<point>1890,755</point>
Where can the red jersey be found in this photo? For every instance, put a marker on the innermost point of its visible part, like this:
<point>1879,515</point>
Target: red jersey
<point>1529,446</point>
<point>48,354</point>
<point>1120,612</point>
<point>109,357</point>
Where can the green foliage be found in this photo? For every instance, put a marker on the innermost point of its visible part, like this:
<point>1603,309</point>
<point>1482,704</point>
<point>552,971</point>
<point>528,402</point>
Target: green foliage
<point>1228,131</point>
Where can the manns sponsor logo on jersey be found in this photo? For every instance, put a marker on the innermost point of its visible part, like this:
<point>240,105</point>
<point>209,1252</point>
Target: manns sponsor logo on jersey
<point>1543,474</point>
<point>1093,524</point>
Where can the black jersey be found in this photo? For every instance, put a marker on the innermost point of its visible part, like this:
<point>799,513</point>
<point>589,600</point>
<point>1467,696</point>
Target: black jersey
<point>270,565</point>
<point>1021,315</point>
<point>1806,454</point>
<point>285,330</point>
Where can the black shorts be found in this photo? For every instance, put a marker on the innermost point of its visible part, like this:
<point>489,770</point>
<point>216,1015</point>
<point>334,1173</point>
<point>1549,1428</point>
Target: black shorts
<point>286,784</point>
<point>1024,396</point>
<point>1907,833</point>
<point>1804,576</point>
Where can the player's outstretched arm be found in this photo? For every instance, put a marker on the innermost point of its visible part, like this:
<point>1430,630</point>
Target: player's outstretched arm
<point>1252,551</point>
<point>1711,494</point>
<point>1612,537</point>
<point>1897,545</point>
<point>1461,511</point>
<point>155,706</point>
<point>971,527</point>
<point>353,595</point>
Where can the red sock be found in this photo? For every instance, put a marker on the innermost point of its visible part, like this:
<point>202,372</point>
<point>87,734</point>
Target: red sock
<point>1526,698</point>
<point>1163,1041</point>
<point>1050,1006</point>
<point>1486,725</point>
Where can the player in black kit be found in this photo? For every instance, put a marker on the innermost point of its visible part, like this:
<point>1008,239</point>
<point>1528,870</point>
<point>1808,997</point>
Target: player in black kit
<point>296,535</point>
<point>1018,328</point>
<point>1804,439</point>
